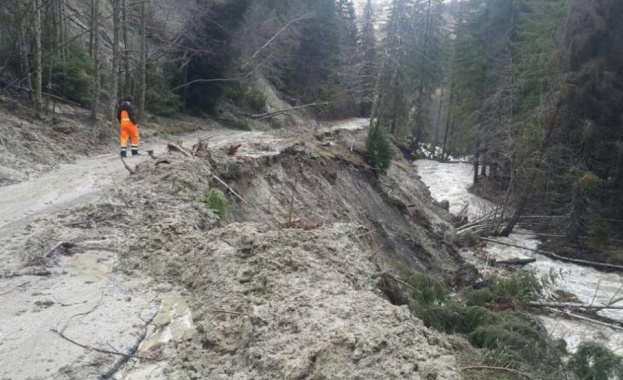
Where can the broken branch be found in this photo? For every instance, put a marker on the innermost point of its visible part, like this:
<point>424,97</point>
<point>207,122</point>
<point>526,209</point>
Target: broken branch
<point>132,171</point>
<point>177,147</point>
<point>233,149</point>
<point>101,350</point>
<point>228,312</point>
<point>126,357</point>
<point>85,313</point>
<point>62,244</point>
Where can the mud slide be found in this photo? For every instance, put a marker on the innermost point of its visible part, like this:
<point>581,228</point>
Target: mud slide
<point>51,319</point>
<point>82,297</point>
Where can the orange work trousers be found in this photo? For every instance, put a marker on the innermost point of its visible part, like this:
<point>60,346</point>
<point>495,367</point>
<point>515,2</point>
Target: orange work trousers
<point>130,131</point>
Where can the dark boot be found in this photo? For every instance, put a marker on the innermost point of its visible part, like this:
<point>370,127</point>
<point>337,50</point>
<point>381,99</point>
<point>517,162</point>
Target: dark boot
<point>124,153</point>
<point>135,151</point>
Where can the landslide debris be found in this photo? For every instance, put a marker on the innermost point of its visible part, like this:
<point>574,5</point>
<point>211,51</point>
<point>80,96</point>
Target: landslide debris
<point>33,143</point>
<point>286,285</point>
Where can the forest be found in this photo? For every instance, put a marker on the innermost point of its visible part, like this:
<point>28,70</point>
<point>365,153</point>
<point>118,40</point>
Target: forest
<point>531,91</point>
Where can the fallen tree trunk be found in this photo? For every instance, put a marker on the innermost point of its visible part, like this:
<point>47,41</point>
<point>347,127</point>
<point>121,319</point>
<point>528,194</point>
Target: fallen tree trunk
<point>554,256</point>
<point>594,318</point>
<point>572,305</point>
<point>610,322</point>
<point>179,148</point>
<point>62,244</point>
<point>262,116</point>
<point>514,262</point>
<point>56,97</point>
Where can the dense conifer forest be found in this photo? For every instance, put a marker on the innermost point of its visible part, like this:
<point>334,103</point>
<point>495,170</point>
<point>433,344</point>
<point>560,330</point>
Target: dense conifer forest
<point>530,90</point>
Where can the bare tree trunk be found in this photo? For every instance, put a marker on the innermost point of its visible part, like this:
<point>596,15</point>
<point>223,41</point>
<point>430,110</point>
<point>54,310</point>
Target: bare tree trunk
<point>91,34</point>
<point>143,57</point>
<point>38,64</point>
<point>445,155</point>
<point>438,123</point>
<point>23,49</point>
<point>392,128</point>
<point>96,47</point>
<point>447,132</point>
<point>476,160</point>
<point>115,56</point>
<point>126,47</point>
<point>63,30</point>
<point>525,197</point>
<point>483,164</point>
<point>483,83</point>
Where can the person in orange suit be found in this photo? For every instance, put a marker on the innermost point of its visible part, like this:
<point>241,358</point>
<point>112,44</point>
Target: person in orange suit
<point>129,127</point>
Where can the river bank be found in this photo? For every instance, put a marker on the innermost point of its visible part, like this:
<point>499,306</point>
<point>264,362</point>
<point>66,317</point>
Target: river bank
<point>451,182</point>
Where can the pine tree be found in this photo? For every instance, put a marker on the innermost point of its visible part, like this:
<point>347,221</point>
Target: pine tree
<point>591,119</point>
<point>314,71</point>
<point>410,71</point>
<point>390,109</point>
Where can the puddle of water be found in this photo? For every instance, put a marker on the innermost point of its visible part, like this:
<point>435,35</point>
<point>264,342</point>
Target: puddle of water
<point>173,320</point>
<point>92,264</point>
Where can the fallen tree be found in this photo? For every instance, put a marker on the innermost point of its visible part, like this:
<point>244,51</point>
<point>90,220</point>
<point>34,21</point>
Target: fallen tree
<point>555,256</point>
<point>513,262</point>
<point>573,305</point>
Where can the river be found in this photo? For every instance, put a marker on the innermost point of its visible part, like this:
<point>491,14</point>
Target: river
<point>451,181</point>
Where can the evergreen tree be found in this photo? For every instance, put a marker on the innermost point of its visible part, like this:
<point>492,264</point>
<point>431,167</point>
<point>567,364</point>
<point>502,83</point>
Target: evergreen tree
<point>390,108</point>
<point>427,52</point>
<point>410,69</point>
<point>591,119</point>
<point>314,71</point>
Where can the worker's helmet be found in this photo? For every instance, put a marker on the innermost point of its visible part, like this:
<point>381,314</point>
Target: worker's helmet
<point>129,98</point>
